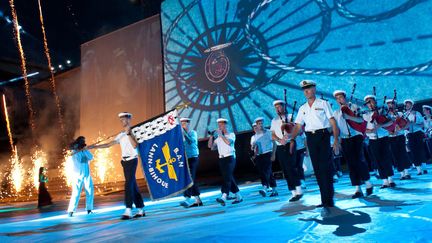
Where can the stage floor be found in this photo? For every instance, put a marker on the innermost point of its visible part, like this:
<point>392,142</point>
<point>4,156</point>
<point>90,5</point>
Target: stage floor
<point>402,214</point>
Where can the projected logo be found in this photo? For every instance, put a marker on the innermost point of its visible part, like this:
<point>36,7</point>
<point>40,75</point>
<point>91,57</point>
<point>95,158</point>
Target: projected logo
<point>233,58</point>
<point>217,64</point>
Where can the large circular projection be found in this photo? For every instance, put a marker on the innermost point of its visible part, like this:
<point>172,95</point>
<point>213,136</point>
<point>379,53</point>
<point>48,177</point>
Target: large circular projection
<point>231,59</point>
<point>211,64</point>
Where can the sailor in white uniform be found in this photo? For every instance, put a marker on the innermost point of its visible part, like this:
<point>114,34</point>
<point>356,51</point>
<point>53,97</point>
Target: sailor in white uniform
<point>415,137</point>
<point>262,145</point>
<point>129,162</point>
<point>223,141</point>
<point>317,116</point>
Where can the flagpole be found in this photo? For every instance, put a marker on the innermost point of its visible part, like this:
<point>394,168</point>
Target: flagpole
<point>182,106</point>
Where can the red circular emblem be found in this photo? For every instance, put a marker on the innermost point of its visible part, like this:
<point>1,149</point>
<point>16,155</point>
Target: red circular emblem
<point>171,119</point>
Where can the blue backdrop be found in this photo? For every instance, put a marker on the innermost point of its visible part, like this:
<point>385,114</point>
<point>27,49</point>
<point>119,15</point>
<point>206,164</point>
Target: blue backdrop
<point>232,58</point>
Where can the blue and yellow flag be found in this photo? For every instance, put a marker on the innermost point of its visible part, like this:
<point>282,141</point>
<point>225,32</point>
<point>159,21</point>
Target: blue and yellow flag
<point>160,145</point>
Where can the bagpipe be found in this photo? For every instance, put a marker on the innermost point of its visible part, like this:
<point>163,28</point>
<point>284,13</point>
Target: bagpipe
<point>288,125</point>
<point>400,121</point>
<point>381,116</point>
<point>347,109</point>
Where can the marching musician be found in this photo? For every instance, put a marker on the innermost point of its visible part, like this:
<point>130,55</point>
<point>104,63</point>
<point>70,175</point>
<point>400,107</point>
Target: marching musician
<point>352,147</point>
<point>223,141</point>
<point>190,139</point>
<point>415,136</point>
<point>129,161</point>
<point>397,142</point>
<point>318,117</point>
<point>378,142</point>
<point>262,145</point>
<point>427,112</point>
<point>287,159</point>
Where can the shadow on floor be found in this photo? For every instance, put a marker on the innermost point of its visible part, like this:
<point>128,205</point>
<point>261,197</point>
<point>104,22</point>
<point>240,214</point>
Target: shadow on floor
<point>344,220</point>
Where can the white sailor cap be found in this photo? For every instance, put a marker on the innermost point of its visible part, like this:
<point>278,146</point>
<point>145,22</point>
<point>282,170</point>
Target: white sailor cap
<point>278,102</point>
<point>409,100</point>
<point>390,101</point>
<point>338,92</point>
<point>222,120</point>
<point>369,97</point>
<point>304,84</point>
<point>184,119</point>
<point>427,107</point>
<point>259,119</point>
<point>125,114</point>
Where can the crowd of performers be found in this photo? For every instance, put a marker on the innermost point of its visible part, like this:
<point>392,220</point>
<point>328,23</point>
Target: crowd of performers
<point>378,139</point>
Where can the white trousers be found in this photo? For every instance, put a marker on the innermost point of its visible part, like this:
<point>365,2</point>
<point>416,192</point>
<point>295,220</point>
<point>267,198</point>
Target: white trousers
<point>76,191</point>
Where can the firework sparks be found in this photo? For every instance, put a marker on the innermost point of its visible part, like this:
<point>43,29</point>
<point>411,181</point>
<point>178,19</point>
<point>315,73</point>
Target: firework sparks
<point>50,67</point>
<point>39,159</point>
<point>17,172</point>
<point>8,123</point>
<point>103,164</point>
<point>66,167</point>
<point>23,64</point>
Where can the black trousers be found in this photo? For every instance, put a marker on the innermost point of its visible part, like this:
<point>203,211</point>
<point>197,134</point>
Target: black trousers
<point>132,194</point>
<point>380,150</point>
<point>371,161</point>
<point>288,162</point>
<point>417,148</point>
<point>264,166</point>
<point>352,149</point>
<point>399,153</point>
<point>227,166</point>
<point>300,154</point>
<point>321,156</point>
<point>193,166</point>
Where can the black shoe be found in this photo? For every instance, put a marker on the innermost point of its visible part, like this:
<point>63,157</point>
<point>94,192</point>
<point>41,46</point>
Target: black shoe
<point>392,184</point>
<point>384,186</point>
<point>139,215</point>
<point>296,198</point>
<point>70,214</point>
<point>403,178</point>
<point>425,171</point>
<point>357,195</point>
<point>420,173</point>
<point>125,217</point>
<point>237,201</point>
<point>377,176</point>
<point>196,204</point>
<point>89,212</point>
<point>369,191</point>
<point>408,177</point>
<point>221,201</point>
<point>262,193</point>
<point>274,194</point>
